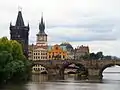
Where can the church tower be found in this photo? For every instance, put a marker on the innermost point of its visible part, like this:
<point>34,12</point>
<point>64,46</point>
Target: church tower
<point>41,36</point>
<point>20,33</point>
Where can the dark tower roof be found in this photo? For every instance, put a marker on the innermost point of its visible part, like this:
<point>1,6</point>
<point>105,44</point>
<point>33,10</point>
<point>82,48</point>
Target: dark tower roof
<point>42,26</point>
<point>19,21</point>
<point>68,46</point>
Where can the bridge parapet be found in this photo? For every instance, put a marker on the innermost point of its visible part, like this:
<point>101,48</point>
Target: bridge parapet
<point>86,63</point>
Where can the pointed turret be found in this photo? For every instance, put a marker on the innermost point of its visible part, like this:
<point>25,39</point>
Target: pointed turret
<point>19,21</point>
<point>42,25</point>
<point>28,26</point>
<point>10,24</point>
<point>42,18</point>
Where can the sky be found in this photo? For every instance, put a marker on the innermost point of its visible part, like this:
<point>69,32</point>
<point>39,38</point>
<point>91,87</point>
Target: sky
<point>93,23</point>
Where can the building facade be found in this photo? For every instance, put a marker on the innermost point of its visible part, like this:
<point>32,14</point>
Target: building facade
<point>57,52</point>
<point>81,51</point>
<point>20,33</point>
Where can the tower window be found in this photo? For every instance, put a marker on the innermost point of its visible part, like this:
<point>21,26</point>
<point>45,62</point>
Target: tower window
<point>56,48</point>
<point>63,56</point>
<point>53,53</point>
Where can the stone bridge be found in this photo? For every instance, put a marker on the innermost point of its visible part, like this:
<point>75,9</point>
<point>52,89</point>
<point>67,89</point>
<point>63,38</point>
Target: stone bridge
<point>94,68</point>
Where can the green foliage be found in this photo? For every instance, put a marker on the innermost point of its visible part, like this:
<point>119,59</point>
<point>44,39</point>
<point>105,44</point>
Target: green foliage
<point>97,56</point>
<point>13,64</point>
<point>93,56</point>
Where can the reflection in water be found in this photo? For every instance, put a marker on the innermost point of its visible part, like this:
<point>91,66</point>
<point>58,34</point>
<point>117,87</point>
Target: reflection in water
<point>111,81</point>
<point>39,78</point>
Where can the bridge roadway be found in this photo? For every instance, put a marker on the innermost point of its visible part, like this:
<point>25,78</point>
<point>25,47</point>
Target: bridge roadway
<point>93,67</point>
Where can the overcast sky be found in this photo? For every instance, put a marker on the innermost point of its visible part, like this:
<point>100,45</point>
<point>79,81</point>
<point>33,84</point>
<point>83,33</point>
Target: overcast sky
<point>95,23</point>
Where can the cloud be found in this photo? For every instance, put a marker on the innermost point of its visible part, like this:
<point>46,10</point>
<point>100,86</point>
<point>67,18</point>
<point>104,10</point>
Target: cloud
<point>91,22</point>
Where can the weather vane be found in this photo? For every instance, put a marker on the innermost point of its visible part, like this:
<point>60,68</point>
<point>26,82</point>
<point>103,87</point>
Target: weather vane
<point>19,8</point>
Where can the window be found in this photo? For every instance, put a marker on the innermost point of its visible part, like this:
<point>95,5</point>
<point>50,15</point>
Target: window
<point>34,57</point>
<point>56,48</point>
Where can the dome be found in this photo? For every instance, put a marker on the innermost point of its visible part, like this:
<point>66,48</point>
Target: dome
<point>68,46</point>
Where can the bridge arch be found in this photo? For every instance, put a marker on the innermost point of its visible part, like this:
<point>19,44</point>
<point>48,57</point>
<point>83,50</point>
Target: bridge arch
<point>79,66</point>
<point>39,69</point>
<point>104,67</point>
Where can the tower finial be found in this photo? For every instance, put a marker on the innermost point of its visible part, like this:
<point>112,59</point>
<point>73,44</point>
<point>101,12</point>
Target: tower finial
<point>41,14</point>
<point>19,8</point>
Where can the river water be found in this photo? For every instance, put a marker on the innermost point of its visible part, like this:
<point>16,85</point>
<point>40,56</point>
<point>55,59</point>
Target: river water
<point>111,81</point>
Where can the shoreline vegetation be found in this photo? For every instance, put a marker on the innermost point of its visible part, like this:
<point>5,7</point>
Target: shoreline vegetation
<point>14,66</point>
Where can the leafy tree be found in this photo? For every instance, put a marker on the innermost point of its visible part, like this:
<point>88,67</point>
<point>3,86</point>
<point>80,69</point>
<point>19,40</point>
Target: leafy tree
<point>92,56</point>
<point>13,64</point>
<point>99,55</point>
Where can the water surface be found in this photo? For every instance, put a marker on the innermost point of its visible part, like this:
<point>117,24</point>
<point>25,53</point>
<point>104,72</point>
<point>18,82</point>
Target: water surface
<point>111,81</point>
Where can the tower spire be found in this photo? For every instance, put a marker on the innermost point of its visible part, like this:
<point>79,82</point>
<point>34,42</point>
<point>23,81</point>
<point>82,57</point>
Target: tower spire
<point>41,25</point>
<point>19,21</point>
<point>42,17</point>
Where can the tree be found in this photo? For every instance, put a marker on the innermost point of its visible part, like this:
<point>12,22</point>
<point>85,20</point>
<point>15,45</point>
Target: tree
<point>92,56</point>
<point>13,64</point>
<point>99,55</point>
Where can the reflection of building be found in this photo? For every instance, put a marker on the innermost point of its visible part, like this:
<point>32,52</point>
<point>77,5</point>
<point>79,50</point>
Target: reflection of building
<point>70,51</point>
<point>57,52</point>
<point>81,51</point>
<point>39,79</point>
<point>20,32</point>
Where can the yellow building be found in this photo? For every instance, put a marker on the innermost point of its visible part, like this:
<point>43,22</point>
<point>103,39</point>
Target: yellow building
<point>57,52</point>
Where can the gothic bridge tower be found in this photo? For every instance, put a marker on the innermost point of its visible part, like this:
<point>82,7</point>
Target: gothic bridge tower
<point>20,33</point>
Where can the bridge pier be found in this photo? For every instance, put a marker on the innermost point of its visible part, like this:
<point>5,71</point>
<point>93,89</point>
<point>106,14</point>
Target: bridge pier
<point>93,74</point>
<point>61,74</point>
<point>56,73</point>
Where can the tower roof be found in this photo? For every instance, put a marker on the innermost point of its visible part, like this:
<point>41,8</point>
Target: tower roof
<point>19,21</point>
<point>68,46</point>
<point>42,26</point>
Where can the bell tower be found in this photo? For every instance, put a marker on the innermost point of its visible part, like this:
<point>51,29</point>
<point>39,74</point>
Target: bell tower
<point>41,36</point>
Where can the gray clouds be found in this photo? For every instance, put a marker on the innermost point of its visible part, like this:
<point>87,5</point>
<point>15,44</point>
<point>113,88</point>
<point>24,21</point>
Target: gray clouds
<point>75,21</point>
